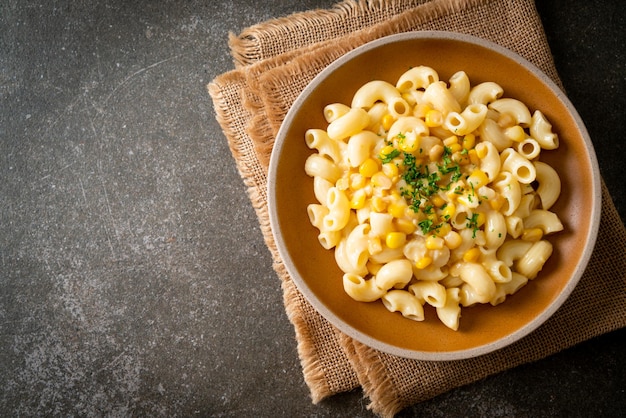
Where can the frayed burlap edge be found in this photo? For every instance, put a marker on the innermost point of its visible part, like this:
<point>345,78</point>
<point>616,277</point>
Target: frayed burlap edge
<point>255,44</point>
<point>227,92</point>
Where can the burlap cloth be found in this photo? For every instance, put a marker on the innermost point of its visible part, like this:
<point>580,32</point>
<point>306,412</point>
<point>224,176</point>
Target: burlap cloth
<point>273,62</point>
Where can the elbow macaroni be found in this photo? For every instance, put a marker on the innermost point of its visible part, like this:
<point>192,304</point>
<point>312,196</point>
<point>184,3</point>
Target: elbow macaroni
<point>433,193</point>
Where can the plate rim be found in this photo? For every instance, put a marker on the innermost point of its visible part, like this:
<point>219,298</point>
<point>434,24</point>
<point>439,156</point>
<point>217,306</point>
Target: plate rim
<point>366,339</point>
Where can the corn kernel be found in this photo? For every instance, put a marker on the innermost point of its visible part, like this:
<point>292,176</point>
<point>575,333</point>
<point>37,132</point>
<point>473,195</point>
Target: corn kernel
<point>387,121</point>
<point>386,150</point>
<point>395,239</point>
<point>368,168</point>
<point>396,196</point>
<point>434,243</point>
<point>410,143</point>
<point>449,211</point>
<point>433,118</point>
<point>438,201</point>
<point>469,141</point>
<point>478,179</point>
<point>480,219</point>
<point>471,255</point>
<point>443,229</point>
<point>378,204</point>
<point>515,133</point>
<point>343,183</point>
<point>532,234</point>
<point>473,156</point>
<point>423,262</point>
<point>456,147</point>
<point>453,240</point>
<point>358,199</point>
<point>404,225</point>
<point>396,209</point>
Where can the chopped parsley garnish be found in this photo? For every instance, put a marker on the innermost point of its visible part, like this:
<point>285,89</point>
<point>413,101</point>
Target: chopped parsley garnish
<point>387,158</point>
<point>472,222</point>
<point>425,225</point>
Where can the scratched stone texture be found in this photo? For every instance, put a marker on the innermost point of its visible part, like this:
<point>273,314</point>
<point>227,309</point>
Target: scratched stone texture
<point>134,280</point>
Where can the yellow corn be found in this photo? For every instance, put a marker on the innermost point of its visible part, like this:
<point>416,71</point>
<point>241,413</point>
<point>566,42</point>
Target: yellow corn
<point>409,143</point>
<point>396,209</point>
<point>433,118</point>
<point>469,141</point>
<point>478,179</point>
<point>532,234</point>
<point>343,183</point>
<point>423,262</point>
<point>473,156</point>
<point>471,255</point>
<point>395,239</point>
<point>387,121</point>
<point>443,229</point>
<point>378,204</point>
<point>456,147</point>
<point>404,225</point>
<point>386,150</point>
<point>480,219</point>
<point>437,201</point>
<point>358,199</point>
<point>368,168</point>
<point>449,211</point>
<point>434,243</point>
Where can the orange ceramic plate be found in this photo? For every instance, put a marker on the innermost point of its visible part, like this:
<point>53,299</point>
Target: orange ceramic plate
<point>482,328</point>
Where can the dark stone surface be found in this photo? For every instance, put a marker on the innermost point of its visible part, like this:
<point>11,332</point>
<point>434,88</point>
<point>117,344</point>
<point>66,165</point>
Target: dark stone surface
<point>134,277</point>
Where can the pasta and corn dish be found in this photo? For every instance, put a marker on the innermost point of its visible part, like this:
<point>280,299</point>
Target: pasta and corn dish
<point>433,193</point>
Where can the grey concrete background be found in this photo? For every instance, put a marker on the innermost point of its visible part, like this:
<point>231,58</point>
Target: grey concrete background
<point>134,280</point>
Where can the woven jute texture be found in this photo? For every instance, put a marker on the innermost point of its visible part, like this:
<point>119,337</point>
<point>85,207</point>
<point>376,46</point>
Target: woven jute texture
<point>273,62</point>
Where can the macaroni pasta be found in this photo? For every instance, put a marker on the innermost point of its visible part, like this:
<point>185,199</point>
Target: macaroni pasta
<point>432,193</point>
